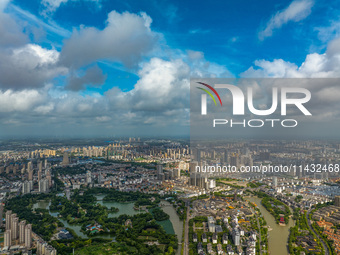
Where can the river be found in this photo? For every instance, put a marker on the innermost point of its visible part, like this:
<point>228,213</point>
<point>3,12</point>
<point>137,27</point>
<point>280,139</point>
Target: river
<point>175,223</point>
<point>278,236</point>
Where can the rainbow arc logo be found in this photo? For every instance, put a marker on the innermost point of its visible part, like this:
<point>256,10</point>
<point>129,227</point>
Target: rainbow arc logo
<point>209,93</point>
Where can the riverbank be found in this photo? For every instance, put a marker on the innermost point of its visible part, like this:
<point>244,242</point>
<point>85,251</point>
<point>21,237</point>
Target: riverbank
<point>278,236</point>
<point>177,224</point>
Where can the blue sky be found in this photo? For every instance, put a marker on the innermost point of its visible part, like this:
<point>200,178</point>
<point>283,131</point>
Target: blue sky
<point>226,31</point>
<point>124,66</point>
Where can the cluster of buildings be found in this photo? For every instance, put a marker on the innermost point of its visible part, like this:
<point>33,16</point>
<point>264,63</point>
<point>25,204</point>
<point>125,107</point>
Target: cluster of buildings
<point>301,154</point>
<point>134,149</point>
<point>64,234</point>
<point>18,235</point>
<point>42,177</point>
<point>311,191</point>
<point>329,214</point>
<point>331,233</point>
<point>123,177</point>
<point>308,243</point>
<point>232,231</point>
<point>169,174</point>
<point>95,228</point>
<point>43,248</point>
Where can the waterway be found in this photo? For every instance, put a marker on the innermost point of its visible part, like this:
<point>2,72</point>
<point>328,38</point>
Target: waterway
<point>278,236</point>
<point>46,205</point>
<point>172,226</point>
<point>174,223</point>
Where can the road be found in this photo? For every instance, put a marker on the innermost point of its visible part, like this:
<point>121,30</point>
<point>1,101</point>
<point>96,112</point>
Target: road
<point>186,232</point>
<point>325,247</point>
<point>259,227</point>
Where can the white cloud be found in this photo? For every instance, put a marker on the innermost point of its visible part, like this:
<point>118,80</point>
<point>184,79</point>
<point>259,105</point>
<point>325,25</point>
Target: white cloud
<point>126,38</point>
<point>332,31</point>
<point>50,6</point>
<point>24,65</point>
<point>296,11</point>
<point>19,101</point>
<point>315,66</point>
<point>103,118</point>
<point>325,92</point>
<point>44,109</point>
<point>29,66</point>
<point>10,32</point>
<point>3,4</point>
<point>50,26</point>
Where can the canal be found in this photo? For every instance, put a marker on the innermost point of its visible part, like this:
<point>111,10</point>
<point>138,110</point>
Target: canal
<point>278,236</point>
<point>174,222</point>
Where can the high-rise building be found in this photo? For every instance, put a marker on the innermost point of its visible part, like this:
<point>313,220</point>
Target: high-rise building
<point>49,178</point>
<point>43,185</point>
<point>22,225</point>
<point>15,228</point>
<point>337,201</point>
<point>31,185</point>
<point>226,156</point>
<point>236,237</point>
<point>26,187</point>
<point>7,238</point>
<point>28,236</point>
<point>234,160</point>
<point>66,160</point>
<point>30,175</point>
<point>88,177</point>
<point>8,220</point>
<point>40,166</point>
<point>100,178</point>
<point>68,194</point>
<point>275,181</point>
<point>192,166</point>
<point>1,213</point>
<point>29,166</point>
<point>160,172</point>
<point>193,178</point>
<point>196,155</point>
<point>177,172</point>
<point>44,249</point>
<point>39,175</point>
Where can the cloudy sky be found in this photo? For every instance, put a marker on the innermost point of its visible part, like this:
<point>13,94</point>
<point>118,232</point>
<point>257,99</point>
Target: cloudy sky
<point>123,68</point>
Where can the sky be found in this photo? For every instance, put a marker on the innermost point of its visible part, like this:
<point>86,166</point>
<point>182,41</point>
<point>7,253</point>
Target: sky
<point>123,68</point>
